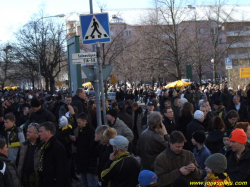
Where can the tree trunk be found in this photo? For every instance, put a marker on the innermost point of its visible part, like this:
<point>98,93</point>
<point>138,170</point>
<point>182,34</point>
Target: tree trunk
<point>47,83</point>
<point>52,84</point>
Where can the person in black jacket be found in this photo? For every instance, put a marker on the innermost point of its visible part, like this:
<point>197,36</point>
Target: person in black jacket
<point>123,115</point>
<point>194,125</point>
<point>240,108</point>
<point>86,147</point>
<point>168,120</point>
<point>121,169</point>
<point>39,115</point>
<point>52,161</point>
<point>80,101</point>
<point>238,161</point>
<point>214,141</point>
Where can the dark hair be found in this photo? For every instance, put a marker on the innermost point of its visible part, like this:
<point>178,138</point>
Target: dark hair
<point>128,102</point>
<point>155,102</point>
<point>10,117</point>
<point>2,143</point>
<point>69,96</point>
<point>166,109</point>
<point>232,114</point>
<point>187,109</point>
<point>135,105</point>
<point>177,137</point>
<point>79,91</point>
<point>82,116</point>
<point>75,109</point>
<point>114,104</point>
<point>217,123</point>
<point>242,125</point>
<point>49,126</point>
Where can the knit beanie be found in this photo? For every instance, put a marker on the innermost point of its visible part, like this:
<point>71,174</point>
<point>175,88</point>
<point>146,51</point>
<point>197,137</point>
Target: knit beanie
<point>198,114</point>
<point>217,162</point>
<point>35,102</point>
<point>199,136</point>
<point>63,122</point>
<point>238,135</point>
<point>146,177</point>
<point>113,113</point>
<point>217,102</point>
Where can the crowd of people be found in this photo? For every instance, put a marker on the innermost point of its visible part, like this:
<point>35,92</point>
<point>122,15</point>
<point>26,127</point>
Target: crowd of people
<point>197,136</point>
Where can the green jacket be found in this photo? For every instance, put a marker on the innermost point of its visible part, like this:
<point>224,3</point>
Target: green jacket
<point>167,164</point>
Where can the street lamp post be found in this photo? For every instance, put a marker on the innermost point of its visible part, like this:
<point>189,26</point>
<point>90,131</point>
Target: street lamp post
<point>214,78</point>
<point>38,58</point>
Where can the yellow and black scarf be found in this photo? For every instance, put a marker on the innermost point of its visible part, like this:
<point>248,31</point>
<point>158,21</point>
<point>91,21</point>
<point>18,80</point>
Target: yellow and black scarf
<point>44,147</point>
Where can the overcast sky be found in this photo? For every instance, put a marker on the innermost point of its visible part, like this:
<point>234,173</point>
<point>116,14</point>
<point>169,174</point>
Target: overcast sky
<point>15,13</point>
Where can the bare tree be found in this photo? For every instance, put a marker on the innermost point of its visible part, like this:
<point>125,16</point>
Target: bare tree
<point>45,40</point>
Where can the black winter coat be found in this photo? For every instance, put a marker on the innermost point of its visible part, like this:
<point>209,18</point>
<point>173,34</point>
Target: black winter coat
<point>81,105</point>
<point>64,137</point>
<point>214,141</point>
<point>242,112</point>
<point>125,117</point>
<point>193,126</point>
<point>184,120</point>
<point>54,165</point>
<point>40,116</point>
<point>169,124</point>
<point>239,170</point>
<point>103,159</point>
<point>86,155</point>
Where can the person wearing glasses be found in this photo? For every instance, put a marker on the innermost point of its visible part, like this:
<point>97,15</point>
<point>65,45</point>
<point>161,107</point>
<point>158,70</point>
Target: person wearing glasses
<point>28,157</point>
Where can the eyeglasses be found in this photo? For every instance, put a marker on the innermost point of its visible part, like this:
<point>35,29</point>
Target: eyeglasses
<point>36,125</point>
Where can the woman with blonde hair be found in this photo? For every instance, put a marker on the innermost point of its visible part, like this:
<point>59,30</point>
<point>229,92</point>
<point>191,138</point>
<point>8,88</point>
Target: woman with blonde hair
<point>108,134</point>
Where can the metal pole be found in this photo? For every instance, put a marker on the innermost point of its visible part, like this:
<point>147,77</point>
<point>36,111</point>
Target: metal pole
<point>97,81</point>
<point>97,95</point>
<point>101,82</point>
<point>214,74</point>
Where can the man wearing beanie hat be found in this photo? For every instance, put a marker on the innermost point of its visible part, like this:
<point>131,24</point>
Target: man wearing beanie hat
<point>39,115</point>
<point>194,125</point>
<point>219,108</point>
<point>238,162</point>
<point>216,164</point>
<point>147,178</point>
<point>201,152</point>
<point>119,125</point>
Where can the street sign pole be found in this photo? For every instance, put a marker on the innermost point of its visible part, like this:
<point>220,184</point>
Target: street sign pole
<point>101,82</point>
<point>95,30</point>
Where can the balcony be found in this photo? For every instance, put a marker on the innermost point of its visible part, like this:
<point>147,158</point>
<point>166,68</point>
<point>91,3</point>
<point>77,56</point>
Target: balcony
<point>239,56</point>
<point>240,45</point>
<point>238,33</point>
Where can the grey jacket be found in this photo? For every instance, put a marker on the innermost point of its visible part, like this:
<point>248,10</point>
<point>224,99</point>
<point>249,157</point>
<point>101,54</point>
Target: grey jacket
<point>22,155</point>
<point>12,153</point>
<point>123,129</point>
<point>150,144</point>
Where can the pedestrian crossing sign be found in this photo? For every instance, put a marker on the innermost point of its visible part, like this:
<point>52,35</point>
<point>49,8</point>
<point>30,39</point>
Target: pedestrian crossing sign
<point>95,28</point>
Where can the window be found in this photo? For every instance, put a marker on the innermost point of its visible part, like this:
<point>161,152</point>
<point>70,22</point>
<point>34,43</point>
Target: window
<point>202,31</point>
<point>220,41</point>
<point>127,33</point>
